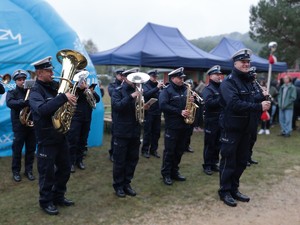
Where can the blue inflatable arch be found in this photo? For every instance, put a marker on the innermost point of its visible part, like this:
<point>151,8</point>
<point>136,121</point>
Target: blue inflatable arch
<point>29,31</point>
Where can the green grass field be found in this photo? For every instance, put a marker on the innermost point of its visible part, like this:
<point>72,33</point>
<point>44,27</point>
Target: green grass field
<point>96,203</point>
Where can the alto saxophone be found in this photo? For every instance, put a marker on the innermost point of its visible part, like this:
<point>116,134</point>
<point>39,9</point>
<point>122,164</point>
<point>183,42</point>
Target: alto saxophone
<point>190,106</point>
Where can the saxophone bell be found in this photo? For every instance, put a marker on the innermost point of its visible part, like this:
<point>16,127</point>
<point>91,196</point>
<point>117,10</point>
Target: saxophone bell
<point>190,106</point>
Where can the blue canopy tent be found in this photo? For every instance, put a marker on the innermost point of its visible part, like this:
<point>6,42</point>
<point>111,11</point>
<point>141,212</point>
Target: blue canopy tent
<point>159,46</point>
<point>29,31</point>
<point>227,47</point>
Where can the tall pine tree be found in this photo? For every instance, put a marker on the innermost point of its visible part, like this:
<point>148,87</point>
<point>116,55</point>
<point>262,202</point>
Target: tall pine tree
<point>278,20</point>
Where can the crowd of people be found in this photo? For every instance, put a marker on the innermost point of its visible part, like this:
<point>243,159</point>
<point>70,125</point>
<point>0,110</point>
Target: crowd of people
<point>228,111</point>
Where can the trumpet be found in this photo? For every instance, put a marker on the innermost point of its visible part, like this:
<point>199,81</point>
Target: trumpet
<point>198,98</point>
<point>6,78</point>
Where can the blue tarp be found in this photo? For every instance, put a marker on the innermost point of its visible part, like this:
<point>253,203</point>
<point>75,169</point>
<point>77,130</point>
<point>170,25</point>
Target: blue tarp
<point>227,47</point>
<point>159,46</point>
<point>29,31</point>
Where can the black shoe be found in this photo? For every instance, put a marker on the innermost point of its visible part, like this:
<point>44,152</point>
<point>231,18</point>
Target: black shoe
<point>29,175</point>
<point>81,165</point>
<point>167,180</point>
<point>207,170</point>
<point>190,150</point>
<point>64,202</point>
<point>146,155</point>
<point>129,191</point>
<point>248,163</point>
<point>240,197</point>
<point>286,135</point>
<point>17,176</point>
<point>252,161</point>
<point>178,177</point>
<point>50,209</point>
<point>228,199</point>
<point>72,168</point>
<point>155,154</point>
<point>111,158</point>
<point>120,193</point>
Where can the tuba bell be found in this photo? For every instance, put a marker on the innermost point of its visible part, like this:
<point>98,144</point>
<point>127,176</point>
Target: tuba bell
<point>6,78</point>
<point>138,79</point>
<point>71,61</point>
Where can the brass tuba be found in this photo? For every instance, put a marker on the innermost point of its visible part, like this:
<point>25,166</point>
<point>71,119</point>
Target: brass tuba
<point>190,106</point>
<point>139,78</point>
<point>71,61</point>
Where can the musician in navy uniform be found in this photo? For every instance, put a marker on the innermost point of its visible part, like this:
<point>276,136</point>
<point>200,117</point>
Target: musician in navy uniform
<point>172,102</point>
<point>212,131</point>
<point>238,107</point>
<point>111,87</point>
<point>80,125</point>
<point>151,89</point>
<point>127,131</point>
<point>53,157</point>
<point>15,100</point>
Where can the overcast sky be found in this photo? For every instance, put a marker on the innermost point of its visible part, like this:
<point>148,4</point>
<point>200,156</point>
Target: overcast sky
<point>110,23</point>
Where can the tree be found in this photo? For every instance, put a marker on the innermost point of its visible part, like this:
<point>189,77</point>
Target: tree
<point>277,20</point>
<point>90,46</point>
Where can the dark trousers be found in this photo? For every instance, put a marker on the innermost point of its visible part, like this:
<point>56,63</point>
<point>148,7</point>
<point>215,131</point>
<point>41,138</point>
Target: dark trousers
<point>253,138</point>
<point>26,137</point>
<point>234,157</point>
<point>126,157</point>
<point>77,139</point>
<point>175,144</point>
<point>212,143</point>
<point>52,182</point>
<point>151,133</point>
<point>111,150</point>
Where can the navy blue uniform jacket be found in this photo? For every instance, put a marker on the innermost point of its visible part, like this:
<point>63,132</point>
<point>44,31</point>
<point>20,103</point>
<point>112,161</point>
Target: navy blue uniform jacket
<point>172,100</point>
<point>123,106</point>
<point>238,103</point>
<point>15,101</point>
<point>44,102</point>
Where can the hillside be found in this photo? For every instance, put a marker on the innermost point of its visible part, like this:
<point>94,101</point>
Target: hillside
<point>208,43</point>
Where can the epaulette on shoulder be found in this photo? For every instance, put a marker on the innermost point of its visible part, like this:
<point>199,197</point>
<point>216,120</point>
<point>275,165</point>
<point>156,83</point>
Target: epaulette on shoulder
<point>166,86</point>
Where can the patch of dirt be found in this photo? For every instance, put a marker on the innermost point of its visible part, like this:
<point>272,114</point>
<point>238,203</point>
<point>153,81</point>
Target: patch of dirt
<point>279,205</point>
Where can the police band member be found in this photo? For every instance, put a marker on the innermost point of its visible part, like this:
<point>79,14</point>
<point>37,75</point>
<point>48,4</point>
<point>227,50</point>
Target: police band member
<point>172,102</point>
<point>151,89</point>
<point>80,125</point>
<point>111,87</point>
<point>52,150</point>
<point>238,108</point>
<point>212,108</point>
<point>15,100</point>
<point>127,131</point>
